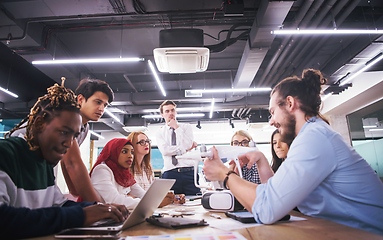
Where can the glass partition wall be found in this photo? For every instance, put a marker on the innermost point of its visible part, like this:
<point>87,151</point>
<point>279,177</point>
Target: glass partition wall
<point>366,131</point>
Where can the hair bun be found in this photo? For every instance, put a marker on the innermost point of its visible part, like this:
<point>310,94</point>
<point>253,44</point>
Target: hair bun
<point>313,78</point>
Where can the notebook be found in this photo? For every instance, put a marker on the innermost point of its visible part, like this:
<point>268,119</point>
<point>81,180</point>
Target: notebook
<point>145,208</point>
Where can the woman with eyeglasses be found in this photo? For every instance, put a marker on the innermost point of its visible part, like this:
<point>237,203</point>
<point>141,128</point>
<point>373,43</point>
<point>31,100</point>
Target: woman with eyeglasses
<point>141,168</point>
<point>243,138</point>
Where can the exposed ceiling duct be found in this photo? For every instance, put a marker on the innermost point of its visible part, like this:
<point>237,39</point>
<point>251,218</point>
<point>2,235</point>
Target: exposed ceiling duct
<point>270,16</point>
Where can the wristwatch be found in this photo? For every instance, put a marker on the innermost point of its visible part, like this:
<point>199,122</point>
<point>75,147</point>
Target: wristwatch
<point>226,178</point>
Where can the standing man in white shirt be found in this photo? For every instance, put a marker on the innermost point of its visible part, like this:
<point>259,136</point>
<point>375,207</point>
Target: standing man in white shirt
<point>175,139</point>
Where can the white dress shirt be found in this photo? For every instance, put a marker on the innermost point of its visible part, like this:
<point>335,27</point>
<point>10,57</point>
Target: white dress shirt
<point>184,140</point>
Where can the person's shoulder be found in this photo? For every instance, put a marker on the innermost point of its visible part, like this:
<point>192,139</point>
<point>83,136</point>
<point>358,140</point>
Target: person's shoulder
<point>13,143</point>
<point>319,127</point>
<point>101,166</point>
<point>12,152</point>
<point>316,134</point>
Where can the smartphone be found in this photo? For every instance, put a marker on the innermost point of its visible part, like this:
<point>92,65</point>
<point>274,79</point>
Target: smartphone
<point>245,216</point>
<point>90,234</point>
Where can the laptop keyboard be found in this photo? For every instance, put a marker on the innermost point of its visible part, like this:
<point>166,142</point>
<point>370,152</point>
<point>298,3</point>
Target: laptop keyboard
<point>106,222</point>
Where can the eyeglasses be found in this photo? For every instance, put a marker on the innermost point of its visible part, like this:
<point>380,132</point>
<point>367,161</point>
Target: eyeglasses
<point>242,143</point>
<point>144,142</point>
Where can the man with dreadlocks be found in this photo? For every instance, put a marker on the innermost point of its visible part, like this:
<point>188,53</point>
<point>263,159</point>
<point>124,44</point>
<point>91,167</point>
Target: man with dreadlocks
<point>93,96</point>
<point>31,204</point>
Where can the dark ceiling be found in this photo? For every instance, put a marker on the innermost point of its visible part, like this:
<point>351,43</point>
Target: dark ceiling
<point>243,52</point>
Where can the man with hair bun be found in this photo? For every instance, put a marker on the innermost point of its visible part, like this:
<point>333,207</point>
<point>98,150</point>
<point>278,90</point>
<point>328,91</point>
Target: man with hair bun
<point>322,175</point>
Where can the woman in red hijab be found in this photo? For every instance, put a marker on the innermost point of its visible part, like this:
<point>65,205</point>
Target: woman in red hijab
<point>112,179</point>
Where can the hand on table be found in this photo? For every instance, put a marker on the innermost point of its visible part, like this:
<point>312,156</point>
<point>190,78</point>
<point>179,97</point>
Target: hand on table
<point>179,199</point>
<point>100,211</point>
<point>169,199</point>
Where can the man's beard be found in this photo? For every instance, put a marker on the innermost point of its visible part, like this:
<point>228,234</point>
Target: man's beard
<point>288,133</point>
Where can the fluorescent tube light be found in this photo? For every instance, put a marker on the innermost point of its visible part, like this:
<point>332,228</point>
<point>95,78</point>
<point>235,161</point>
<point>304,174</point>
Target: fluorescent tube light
<point>325,31</point>
<point>156,77</point>
<point>181,115</point>
<point>370,64</point>
<point>228,90</point>
<point>211,108</point>
<point>113,116</point>
<point>96,134</point>
<point>88,60</point>
<point>372,126</point>
<point>375,130</point>
<point>9,92</point>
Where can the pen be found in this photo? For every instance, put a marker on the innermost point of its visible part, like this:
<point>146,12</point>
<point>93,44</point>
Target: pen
<point>215,216</point>
<point>177,197</point>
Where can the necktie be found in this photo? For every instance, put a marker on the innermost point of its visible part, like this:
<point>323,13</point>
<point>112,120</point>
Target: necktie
<point>174,142</point>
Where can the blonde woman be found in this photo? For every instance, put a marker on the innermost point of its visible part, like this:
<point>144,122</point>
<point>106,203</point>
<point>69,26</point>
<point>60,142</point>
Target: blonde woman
<point>243,138</point>
<point>252,174</point>
<point>141,168</point>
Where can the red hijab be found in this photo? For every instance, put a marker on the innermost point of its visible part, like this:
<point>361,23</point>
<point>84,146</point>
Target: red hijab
<point>109,155</point>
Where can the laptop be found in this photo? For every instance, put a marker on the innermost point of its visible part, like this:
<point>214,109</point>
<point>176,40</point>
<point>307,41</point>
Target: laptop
<point>145,208</point>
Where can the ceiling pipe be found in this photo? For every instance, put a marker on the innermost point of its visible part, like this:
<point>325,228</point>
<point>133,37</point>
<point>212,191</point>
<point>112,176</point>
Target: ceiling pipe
<point>233,113</point>
<point>95,16</point>
<point>301,13</point>
<point>239,112</point>
<point>242,113</point>
<point>247,112</point>
<point>301,44</point>
<point>309,15</point>
<point>25,29</point>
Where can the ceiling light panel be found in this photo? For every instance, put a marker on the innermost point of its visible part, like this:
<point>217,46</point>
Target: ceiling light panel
<point>325,31</point>
<point>87,60</point>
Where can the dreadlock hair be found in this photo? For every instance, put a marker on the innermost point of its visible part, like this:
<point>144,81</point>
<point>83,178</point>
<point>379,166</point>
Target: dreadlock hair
<point>306,89</point>
<point>48,106</point>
